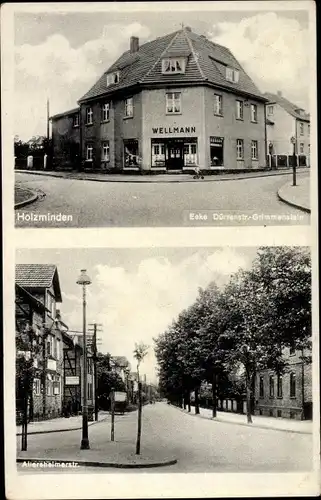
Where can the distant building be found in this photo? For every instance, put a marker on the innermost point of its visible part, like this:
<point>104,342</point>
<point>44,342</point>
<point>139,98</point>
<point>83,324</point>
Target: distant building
<point>283,121</point>
<point>37,294</point>
<point>171,104</point>
<point>288,395</point>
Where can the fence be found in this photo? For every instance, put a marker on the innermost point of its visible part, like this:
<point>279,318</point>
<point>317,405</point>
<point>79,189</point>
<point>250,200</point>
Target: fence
<point>287,161</point>
<point>32,162</point>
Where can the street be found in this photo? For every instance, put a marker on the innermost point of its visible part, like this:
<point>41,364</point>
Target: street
<point>108,204</point>
<point>200,445</point>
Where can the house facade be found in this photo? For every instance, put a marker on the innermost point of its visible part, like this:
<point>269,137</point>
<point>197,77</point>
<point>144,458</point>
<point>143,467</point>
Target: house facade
<point>286,120</point>
<point>166,106</point>
<point>39,283</point>
<point>286,395</point>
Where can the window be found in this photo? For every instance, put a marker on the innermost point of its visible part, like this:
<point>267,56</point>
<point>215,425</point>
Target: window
<point>50,345</point>
<point>113,78</point>
<point>36,387</point>
<point>271,386</point>
<point>51,305</point>
<point>173,102</point>
<point>55,347</point>
<point>129,108</point>
<point>173,65</point>
<point>280,386</point>
<point>89,116</point>
<point>254,113</point>
<point>158,155</point>
<point>292,385</point>
<point>301,147</point>
<point>232,75</point>
<point>89,152</point>
<point>217,151</point>
<point>56,385</point>
<point>131,156</point>
<point>105,112</point>
<point>261,387</point>
<point>239,110</point>
<point>75,120</point>
<point>301,128</point>
<point>58,349</point>
<point>218,108</point>
<point>239,149</point>
<point>49,387</point>
<point>89,390</point>
<point>190,154</point>
<point>270,110</point>
<point>105,151</point>
<point>254,150</point>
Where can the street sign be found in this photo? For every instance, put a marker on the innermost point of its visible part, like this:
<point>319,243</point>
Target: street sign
<point>293,140</point>
<point>120,396</point>
<point>72,380</point>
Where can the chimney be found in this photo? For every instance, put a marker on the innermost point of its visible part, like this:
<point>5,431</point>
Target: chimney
<point>134,44</point>
<point>279,93</point>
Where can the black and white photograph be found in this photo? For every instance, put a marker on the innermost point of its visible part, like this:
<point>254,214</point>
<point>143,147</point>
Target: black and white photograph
<point>164,360</point>
<point>202,119</point>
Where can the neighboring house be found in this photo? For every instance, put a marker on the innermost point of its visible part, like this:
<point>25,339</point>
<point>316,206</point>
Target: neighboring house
<point>288,395</point>
<point>283,121</point>
<point>121,366</point>
<point>39,284</point>
<point>166,106</point>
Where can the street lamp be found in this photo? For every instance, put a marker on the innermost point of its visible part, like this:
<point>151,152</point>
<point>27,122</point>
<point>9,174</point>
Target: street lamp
<point>84,280</point>
<point>293,141</point>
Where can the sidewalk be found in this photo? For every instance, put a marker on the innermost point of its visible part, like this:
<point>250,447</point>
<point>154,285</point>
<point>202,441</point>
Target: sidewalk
<point>278,424</point>
<point>157,178</point>
<point>60,424</point>
<point>297,196</point>
<point>102,453</point>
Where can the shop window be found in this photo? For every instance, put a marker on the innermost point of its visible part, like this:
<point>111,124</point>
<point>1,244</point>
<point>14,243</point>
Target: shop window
<point>239,110</point>
<point>89,152</point>
<point>129,107</point>
<point>158,155</point>
<point>105,151</point>
<point>89,116</point>
<point>239,149</point>
<point>105,112</point>
<point>190,154</point>
<point>280,386</point>
<point>131,156</point>
<point>254,113</point>
<point>254,152</point>
<point>173,103</point>
<point>173,65</point>
<point>292,385</point>
<point>216,151</point>
<point>261,387</point>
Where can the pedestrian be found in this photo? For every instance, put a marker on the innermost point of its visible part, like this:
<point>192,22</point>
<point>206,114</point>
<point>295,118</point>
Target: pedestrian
<point>197,173</point>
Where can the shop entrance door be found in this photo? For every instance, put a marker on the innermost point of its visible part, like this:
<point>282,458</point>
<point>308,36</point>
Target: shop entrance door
<point>175,157</point>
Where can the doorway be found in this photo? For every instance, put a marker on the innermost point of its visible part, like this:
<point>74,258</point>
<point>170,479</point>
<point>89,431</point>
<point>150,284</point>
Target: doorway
<point>175,156</point>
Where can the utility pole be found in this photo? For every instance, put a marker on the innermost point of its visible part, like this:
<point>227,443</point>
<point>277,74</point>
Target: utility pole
<point>112,408</point>
<point>94,330</point>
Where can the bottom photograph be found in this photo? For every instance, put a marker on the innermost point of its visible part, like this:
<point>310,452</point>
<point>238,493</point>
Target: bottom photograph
<point>163,360</point>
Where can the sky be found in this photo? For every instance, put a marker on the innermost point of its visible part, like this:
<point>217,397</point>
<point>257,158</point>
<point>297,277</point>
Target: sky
<point>60,55</point>
<point>136,293</point>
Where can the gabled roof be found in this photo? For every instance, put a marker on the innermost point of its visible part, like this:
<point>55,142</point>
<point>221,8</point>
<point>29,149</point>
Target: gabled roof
<point>65,113</point>
<point>30,299</point>
<point>34,276</point>
<point>206,63</point>
<point>288,106</point>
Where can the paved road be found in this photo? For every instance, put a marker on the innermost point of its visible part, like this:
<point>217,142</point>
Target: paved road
<point>103,204</point>
<point>200,445</point>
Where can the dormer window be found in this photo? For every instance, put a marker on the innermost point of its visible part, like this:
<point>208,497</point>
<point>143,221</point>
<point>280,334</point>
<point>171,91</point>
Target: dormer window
<point>232,75</point>
<point>173,65</point>
<point>113,78</point>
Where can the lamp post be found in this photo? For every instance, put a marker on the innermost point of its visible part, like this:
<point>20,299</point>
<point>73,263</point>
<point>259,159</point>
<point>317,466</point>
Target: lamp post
<point>84,280</point>
<point>293,141</point>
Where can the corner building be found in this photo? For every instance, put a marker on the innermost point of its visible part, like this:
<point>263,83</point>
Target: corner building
<point>166,106</point>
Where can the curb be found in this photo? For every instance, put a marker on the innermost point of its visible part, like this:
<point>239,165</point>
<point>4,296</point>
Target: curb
<point>210,178</point>
<point>88,463</point>
<point>221,421</point>
<point>291,203</point>
<point>62,430</point>
<point>32,198</point>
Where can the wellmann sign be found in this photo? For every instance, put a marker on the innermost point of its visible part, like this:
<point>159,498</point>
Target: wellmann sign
<point>174,130</point>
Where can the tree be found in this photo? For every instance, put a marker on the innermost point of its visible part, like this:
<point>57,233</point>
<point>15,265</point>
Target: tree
<point>107,380</point>
<point>140,353</point>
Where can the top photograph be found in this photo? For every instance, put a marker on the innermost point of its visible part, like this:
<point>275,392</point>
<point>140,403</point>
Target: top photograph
<point>157,119</point>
